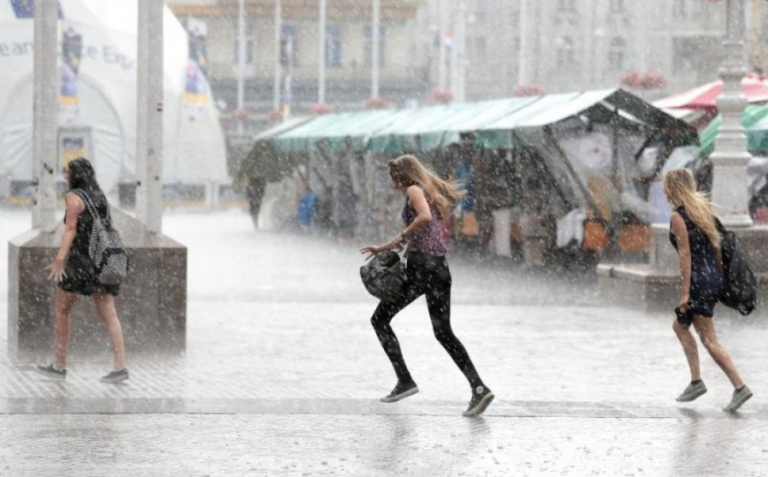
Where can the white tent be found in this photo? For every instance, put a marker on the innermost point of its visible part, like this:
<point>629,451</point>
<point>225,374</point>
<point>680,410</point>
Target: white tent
<point>194,150</point>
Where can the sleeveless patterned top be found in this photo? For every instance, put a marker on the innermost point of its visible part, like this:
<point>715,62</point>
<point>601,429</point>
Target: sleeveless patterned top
<point>432,238</point>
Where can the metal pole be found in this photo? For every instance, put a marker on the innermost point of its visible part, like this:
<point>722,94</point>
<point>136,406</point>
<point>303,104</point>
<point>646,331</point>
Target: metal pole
<point>240,65</point>
<point>322,53</point>
<point>278,38</point>
<point>149,115</point>
<point>730,158</point>
<point>443,12</point>
<point>45,116</point>
<point>375,39</point>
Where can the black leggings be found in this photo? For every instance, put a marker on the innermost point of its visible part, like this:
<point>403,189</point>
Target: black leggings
<point>427,274</point>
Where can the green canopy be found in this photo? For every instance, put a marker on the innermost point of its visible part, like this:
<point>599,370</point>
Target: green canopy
<point>424,129</point>
<point>339,130</point>
<point>755,122</point>
<point>298,139</point>
<point>403,134</point>
<point>354,132</point>
<point>281,128</point>
<point>605,106</point>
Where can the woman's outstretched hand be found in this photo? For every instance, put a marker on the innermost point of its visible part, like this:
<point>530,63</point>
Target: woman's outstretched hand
<point>373,250</point>
<point>57,272</point>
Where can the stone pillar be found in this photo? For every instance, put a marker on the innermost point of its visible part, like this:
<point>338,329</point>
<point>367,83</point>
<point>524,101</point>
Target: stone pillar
<point>149,115</point>
<point>730,158</point>
<point>46,114</point>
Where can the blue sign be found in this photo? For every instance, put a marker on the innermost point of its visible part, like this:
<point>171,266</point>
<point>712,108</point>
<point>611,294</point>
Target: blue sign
<point>26,9</point>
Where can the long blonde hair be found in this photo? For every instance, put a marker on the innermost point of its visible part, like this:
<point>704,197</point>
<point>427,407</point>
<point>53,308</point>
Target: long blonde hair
<point>681,191</point>
<point>408,170</point>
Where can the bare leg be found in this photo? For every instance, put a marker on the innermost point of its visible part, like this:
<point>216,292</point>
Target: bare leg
<point>64,303</point>
<point>106,307</point>
<point>690,349</point>
<point>706,329</point>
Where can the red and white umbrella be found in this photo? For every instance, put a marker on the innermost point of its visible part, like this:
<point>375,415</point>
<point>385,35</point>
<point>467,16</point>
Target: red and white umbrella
<point>755,90</point>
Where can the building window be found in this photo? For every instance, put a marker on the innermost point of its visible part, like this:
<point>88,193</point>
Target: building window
<point>248,51</point>
<point>679,8</point>
<point>566,5</point>
<point>333,46</point>
<point>289,51</point>
<point>565,51</point>
<point>616,53</point>
<point>368,40</point>
<point>617,6</point>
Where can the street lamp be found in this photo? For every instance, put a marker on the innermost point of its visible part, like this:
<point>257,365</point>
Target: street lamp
<point>730,158</point>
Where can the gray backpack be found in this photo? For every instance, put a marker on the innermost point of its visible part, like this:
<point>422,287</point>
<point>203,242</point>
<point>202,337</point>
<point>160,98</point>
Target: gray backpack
<point>105,247</point>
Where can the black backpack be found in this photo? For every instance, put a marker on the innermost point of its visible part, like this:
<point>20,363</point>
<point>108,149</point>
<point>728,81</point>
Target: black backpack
<point>740,292</point>
<point>384,276</point>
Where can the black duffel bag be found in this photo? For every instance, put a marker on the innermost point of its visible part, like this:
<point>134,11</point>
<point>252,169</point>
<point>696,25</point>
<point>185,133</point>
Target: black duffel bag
<point>740,292</point>
<point>384,276</point>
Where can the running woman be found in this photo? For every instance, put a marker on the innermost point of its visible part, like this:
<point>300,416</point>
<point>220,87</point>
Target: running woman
<point>694,235</point>
<point>429,203</point>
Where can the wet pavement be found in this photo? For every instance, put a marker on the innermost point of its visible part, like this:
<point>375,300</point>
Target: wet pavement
<point>283,372</point>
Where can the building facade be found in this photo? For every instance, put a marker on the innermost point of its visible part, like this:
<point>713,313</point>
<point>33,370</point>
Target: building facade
<point>477,49</point>
<point>571,45</point>
<point>348,52</point>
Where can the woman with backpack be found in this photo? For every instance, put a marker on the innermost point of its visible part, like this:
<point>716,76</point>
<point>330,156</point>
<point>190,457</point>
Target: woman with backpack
<point>75,272</point>
<point>694,234</point>
<point>429,204</point>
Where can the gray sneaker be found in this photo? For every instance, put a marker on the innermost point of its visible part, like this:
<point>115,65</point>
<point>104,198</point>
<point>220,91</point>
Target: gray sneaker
<point>739,397</point>
<point>692,392</point>
<point>115,376</point>
<point>401,391</point>
<point>52,372</point>
<point>481,399</point>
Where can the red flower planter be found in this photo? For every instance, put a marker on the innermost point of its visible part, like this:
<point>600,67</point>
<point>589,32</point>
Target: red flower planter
<point>441,96</point>
<point>321,108</point>
<point>529,90</point>
<point>376,103</point>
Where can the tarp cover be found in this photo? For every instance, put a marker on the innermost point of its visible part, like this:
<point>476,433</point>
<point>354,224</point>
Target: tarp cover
<point>755,122</point>
<point>194,150</point>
